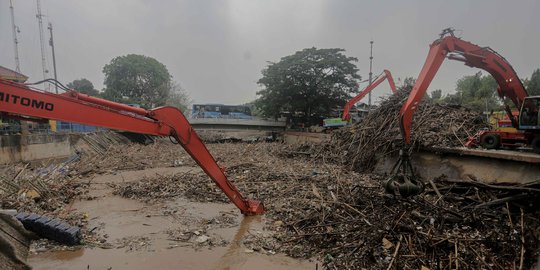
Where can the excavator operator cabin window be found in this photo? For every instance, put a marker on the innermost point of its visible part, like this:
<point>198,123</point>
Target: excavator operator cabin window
<point>530,113</point>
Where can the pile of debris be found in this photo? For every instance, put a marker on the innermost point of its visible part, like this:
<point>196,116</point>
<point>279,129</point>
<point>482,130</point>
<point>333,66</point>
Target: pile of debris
<point>45,187</point>
<point>378,134</point>
<point>153,189</point>
<point>42,189</point>
<point>317,209</point>
<point>358,226</point>
<point>97,142</point>
<point>48,186</point>
<point>131,157</point>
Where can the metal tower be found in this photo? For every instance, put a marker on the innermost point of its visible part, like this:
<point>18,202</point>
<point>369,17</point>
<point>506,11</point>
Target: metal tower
<point>15,40</point>
<point>51,42</point>
<point>370,72</point>
<point>40,22</point>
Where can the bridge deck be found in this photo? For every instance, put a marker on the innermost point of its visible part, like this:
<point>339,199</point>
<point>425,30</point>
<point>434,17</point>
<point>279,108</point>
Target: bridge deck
<point>226,123</point>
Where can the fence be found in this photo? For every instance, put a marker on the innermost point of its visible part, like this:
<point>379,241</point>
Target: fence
<point>14,127</point>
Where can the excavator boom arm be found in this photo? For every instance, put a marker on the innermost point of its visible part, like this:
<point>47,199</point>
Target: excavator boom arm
<point>19,99</point>
<point>387,75</point>
<point>472,55</point>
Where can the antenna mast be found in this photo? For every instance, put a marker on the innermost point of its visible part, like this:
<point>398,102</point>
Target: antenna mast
<point>51,42</point>
<point>40,22</point>
<point>370,72</point>
<point>15,40</point>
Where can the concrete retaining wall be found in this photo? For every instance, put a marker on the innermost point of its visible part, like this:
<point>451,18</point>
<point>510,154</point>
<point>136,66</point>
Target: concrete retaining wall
<point>487,166</point>
<point>292,137</point>
<point>485,169</point>
<point>16,148</point>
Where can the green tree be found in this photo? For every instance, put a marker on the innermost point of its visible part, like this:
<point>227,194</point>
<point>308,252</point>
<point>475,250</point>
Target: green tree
<point>178,97</point>
<point>255,111</point>
<point>137,79</point>
<point>436,94</point>
<point>407,85</point>
<point>84,86</point>
<point>312,81</point>
<point>452,99</point>
<point>533,84</point>
<point>476,92</point>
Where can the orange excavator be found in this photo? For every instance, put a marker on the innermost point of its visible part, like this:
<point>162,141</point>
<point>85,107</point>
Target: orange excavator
<point>19,100</point>
<point>386,75</point>
<point>346,117</point>
<point>510,87</point>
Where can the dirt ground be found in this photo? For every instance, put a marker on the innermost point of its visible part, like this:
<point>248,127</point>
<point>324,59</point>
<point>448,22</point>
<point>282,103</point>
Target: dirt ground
<point>147,206</point>
<point>171,234</point>
<point>164,229</point>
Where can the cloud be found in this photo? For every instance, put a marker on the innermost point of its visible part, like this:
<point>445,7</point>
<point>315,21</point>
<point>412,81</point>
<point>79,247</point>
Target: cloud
<point>217,49</point>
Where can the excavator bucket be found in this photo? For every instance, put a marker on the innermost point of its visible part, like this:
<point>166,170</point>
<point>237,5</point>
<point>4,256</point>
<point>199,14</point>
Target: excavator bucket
<point>403,180</point>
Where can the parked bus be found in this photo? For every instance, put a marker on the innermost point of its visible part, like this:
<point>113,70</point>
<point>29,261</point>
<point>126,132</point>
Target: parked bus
<point>220,111</point>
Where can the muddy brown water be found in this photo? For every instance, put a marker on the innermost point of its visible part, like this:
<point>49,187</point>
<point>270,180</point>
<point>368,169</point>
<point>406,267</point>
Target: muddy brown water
<point>121,218</point>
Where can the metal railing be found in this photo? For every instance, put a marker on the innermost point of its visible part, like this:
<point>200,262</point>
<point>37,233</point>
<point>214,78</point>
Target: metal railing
<point>10,127</point>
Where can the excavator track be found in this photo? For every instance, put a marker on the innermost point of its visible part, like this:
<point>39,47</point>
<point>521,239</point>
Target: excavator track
<point>51,228</point>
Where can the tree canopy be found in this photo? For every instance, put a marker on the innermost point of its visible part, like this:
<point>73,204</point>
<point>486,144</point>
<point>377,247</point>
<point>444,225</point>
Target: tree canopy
<point>137,79</point>
<point>436,94</point>
<point>312,81</point>
<point>84,86</point>
<point>477,92</point>
<point>533,84</point>
<point>408,84</point>
<point>178,97</point>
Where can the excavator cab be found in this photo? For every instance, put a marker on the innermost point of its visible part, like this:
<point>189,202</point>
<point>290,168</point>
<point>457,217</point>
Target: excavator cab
<point>529,115</point>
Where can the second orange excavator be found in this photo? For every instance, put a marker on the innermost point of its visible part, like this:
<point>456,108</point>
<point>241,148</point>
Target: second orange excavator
<point>346,118</point>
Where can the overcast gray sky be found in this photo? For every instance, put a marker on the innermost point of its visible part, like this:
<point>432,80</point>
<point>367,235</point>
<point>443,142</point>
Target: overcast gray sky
<point>217,49</point>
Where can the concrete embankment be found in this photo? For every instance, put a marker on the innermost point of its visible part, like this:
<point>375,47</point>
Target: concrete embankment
<point>16,148</point>
<point>34,147</point>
